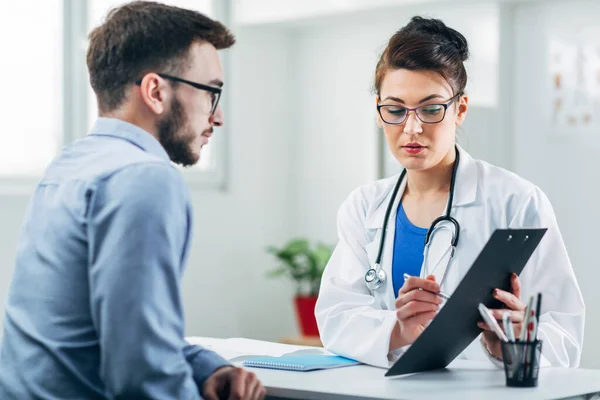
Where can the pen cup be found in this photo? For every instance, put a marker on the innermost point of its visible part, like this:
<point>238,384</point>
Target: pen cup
<point>522,362</point>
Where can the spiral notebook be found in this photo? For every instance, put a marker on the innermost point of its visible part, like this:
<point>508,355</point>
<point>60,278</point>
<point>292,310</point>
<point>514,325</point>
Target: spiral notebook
<point>305,362</point>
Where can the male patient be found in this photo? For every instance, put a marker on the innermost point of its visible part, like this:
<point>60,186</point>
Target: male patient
<point>94,309</point>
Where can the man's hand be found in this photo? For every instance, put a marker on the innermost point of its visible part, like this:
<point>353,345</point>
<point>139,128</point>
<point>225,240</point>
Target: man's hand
<point>516,308</point>
<point>233,384</point>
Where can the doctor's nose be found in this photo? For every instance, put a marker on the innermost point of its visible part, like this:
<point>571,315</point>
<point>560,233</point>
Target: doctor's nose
<point>412,125</point>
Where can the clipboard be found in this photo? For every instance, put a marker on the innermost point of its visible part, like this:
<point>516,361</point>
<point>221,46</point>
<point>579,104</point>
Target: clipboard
<point>455,326</point>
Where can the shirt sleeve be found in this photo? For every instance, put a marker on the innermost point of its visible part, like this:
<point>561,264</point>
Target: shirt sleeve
<point>139,228</point>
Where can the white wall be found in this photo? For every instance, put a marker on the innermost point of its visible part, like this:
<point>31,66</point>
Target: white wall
<point>266,11</point>
<point>565,166</point>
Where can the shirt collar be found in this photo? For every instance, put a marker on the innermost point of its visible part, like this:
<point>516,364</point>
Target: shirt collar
<point>132,133</point>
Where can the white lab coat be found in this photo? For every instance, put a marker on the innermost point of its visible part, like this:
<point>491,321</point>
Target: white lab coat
<point>357,323</point>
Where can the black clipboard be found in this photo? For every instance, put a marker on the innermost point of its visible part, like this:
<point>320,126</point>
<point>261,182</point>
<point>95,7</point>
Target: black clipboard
<point>455,326</point>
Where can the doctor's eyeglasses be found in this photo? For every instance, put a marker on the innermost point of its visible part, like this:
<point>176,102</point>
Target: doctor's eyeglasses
<point>215,91</point>
<point>428,114</point>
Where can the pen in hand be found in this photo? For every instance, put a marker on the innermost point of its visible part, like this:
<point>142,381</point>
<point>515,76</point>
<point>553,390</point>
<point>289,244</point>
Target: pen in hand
<point>440,294</point>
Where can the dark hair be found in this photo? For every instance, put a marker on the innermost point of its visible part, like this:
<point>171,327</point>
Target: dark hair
<point>141,37</point>
<point>426,44</point>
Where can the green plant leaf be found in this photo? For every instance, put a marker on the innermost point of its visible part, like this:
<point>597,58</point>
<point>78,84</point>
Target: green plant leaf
<point>297,246</point>
<point>272,250</point>
<point>323,253</point>
<point>313,269</point>
<point>277,272</point>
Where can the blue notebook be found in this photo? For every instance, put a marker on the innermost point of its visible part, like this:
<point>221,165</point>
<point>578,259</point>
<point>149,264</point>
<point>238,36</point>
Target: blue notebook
<point>303,362</point>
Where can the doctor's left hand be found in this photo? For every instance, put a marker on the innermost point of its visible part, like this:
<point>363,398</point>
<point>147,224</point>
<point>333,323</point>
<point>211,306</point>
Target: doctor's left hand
<point>515,307</point>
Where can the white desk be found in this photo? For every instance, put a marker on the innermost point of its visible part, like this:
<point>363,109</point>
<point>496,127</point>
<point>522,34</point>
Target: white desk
<point>462,382</point>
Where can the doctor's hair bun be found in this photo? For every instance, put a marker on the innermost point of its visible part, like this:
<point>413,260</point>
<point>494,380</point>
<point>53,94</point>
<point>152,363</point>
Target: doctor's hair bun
<point>426,44</point>
<point>444,34</point>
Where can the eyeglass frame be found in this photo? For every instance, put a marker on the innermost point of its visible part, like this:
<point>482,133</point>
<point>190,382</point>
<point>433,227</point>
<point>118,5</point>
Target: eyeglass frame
<point>408,110</point>
<point>200,86</point>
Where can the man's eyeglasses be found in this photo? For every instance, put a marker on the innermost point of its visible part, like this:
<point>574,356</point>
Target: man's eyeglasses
<point>216,92</point>
<point>428,114</point>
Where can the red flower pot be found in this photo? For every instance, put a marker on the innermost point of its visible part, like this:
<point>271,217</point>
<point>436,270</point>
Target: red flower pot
<point>305,314</point>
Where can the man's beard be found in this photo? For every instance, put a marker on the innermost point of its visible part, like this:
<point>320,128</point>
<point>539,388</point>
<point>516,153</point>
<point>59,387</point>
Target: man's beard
<point>174,136</point>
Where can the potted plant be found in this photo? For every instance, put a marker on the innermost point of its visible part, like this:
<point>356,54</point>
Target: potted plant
<point>303,264</point>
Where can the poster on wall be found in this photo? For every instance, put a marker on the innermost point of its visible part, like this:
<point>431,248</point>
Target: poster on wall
<point>574,79</point>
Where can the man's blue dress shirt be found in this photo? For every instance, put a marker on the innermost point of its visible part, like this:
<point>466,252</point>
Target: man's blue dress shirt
<point>94,309</point>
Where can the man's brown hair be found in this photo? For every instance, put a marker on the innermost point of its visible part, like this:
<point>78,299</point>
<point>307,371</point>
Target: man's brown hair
<point>142,37</point>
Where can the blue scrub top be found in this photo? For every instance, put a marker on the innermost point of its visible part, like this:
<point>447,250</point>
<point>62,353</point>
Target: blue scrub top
<point>409,242</point>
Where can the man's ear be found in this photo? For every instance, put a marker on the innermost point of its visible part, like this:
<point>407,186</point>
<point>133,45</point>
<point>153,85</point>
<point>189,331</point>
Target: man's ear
<point>155,93</point>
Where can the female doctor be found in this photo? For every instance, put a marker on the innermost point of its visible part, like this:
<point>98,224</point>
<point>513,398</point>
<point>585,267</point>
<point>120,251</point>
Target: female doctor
<point>372,313</point>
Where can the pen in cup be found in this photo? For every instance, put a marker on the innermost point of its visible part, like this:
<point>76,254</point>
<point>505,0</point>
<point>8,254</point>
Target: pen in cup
<point>523,336</point>
<point>538,311</point>
<point>491,322</point>
<point>440,294</point>
<point>508,328</point>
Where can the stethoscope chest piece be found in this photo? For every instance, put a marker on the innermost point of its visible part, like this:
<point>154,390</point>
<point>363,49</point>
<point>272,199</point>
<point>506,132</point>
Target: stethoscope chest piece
<point>375,278</point>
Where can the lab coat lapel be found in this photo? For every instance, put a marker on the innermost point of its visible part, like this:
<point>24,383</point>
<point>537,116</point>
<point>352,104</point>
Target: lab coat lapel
<point>467,181</point>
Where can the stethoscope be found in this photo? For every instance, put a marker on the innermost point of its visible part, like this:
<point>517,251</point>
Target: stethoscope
<point>376,277</point>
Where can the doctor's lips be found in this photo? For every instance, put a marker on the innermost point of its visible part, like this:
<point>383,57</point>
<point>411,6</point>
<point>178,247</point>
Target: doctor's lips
<point>414,148</point>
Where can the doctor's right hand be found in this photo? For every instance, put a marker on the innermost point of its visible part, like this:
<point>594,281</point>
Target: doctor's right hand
<point>414,309</point>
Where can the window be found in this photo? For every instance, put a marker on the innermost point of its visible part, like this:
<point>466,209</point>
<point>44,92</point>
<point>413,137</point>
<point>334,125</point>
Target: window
<point>97,10</point>
<point>31,39</point>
